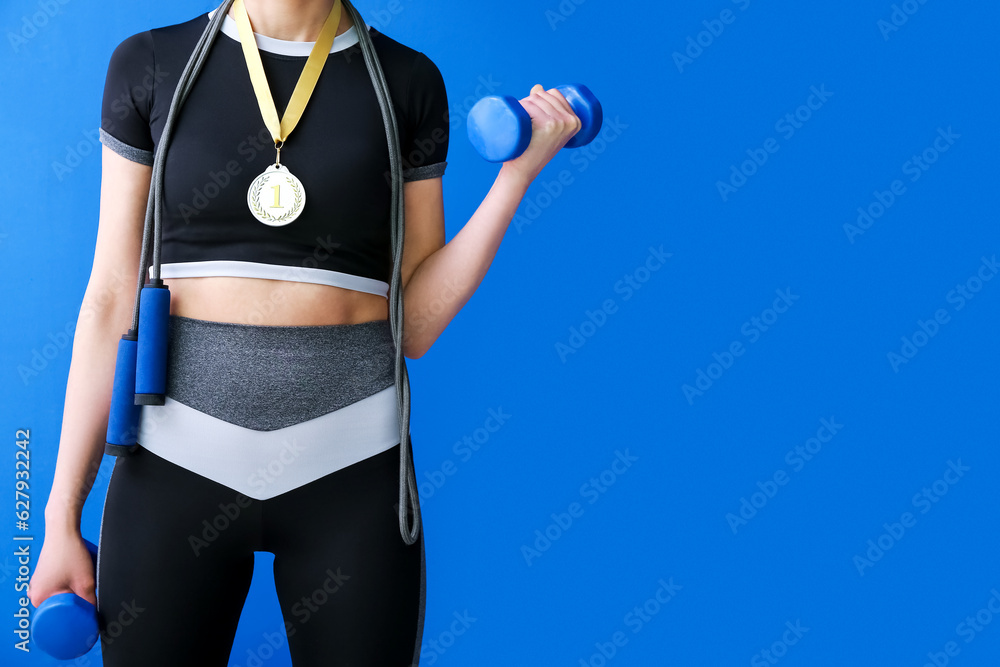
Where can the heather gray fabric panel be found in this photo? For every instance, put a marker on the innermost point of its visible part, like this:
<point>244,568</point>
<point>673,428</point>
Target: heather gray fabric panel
<point>270,377</point>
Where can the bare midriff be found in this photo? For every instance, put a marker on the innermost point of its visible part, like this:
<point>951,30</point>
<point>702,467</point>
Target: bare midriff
<point>272,302</point>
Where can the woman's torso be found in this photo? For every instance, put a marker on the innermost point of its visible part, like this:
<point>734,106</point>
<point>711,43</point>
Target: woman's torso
<point>274,302</point>
<point>271,302</point>
<point>339,152</point>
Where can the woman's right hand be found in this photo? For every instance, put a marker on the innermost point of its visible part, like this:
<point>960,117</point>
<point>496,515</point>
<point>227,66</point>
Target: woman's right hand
<point>553,124</point>
<point>64,566</point>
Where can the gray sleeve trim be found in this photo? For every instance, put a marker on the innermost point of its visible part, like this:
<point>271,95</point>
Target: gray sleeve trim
<point>126,151</point>
<point>427,171</point>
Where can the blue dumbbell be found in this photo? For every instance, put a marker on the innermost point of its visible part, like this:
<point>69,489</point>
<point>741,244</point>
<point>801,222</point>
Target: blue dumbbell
<point>500,128</point>
<point>65,625</point>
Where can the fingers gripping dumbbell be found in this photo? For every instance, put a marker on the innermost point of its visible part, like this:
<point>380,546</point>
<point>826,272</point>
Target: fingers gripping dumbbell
<point>500,128</point>
<point>65,625</point>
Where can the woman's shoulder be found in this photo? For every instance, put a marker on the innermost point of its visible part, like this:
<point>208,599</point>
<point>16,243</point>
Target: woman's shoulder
<point>162,41</point>
<point>393,53</point>
<point>140,65</point>
<point>412,75</point>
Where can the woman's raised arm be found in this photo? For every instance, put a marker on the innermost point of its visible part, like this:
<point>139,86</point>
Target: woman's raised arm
<point>440,278</point>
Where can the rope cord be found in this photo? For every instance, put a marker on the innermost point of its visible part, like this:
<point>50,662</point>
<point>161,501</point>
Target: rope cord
<point>151,228</point>
<point>152,232</point>
<point>407,477</point>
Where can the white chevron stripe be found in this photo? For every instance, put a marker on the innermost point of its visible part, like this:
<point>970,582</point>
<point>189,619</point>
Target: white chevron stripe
<point>265,464</point>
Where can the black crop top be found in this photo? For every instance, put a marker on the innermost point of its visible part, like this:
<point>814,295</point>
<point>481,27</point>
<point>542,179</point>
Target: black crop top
<point>338,151</point>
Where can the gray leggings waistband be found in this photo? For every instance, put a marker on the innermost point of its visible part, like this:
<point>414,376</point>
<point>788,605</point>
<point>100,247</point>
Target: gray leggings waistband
<point>269,377</point>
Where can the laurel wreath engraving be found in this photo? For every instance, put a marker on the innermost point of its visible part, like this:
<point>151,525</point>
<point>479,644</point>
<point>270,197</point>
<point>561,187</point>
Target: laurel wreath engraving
<point>260,212</point>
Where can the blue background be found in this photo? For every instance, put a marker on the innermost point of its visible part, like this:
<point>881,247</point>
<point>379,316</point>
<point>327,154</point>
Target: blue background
<point>671,520</point>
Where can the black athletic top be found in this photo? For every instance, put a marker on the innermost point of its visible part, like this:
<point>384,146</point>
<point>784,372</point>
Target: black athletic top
<point>338,150</point>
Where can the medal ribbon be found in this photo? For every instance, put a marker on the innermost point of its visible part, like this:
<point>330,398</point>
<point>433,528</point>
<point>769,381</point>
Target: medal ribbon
<point>280,129</point>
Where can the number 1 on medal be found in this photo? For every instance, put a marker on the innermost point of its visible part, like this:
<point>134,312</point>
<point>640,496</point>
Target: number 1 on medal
<point>277,193</point>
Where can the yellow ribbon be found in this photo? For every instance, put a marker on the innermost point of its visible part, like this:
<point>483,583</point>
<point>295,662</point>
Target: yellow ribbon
<point>280,129</point>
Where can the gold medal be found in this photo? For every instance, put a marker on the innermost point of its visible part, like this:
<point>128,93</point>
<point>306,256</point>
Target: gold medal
<point>276,197</point>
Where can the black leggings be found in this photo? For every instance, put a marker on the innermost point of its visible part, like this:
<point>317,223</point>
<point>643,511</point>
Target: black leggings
<point>176,559</point>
